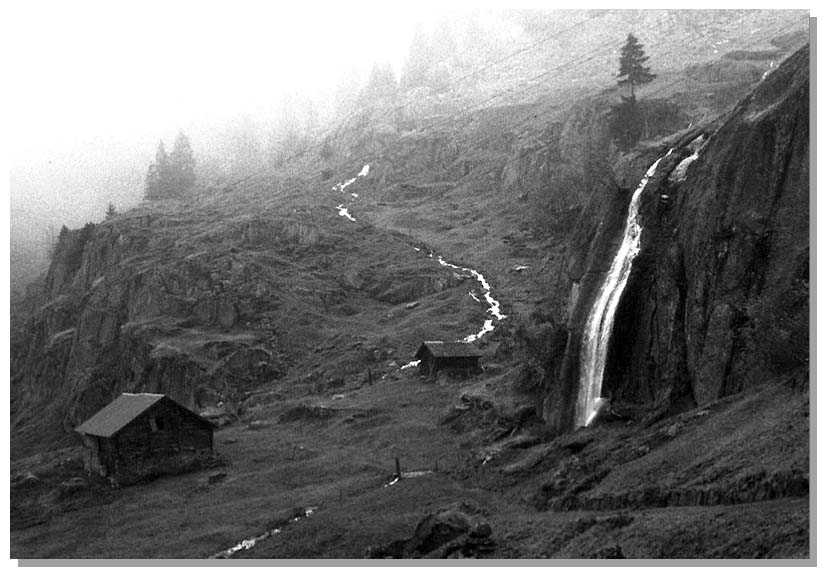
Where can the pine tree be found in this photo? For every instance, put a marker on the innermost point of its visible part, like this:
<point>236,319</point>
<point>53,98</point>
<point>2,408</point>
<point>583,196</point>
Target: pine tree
<point>418,62</point>
<point>161,158</point>
<point>111,211</point>
<point>382,83</point>
<point>171,175</point>
<point>157,175</point>
<point>181,164</point>
<point>632,71</point>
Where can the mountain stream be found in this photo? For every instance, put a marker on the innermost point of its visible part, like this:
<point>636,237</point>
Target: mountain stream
<point>494,309</point>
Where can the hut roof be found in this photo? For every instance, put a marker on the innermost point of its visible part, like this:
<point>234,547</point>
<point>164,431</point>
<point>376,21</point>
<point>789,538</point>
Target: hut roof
<point>441,349</point>
<point>109,420</point>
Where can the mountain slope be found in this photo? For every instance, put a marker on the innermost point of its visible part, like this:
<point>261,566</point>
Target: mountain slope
<point>260,304</point>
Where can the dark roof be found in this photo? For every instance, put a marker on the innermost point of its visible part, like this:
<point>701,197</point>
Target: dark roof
<point>110,419</point>
<point>449,349</point>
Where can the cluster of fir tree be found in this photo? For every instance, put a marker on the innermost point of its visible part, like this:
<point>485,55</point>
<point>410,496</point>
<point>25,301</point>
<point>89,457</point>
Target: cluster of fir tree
<point>171,175</point>
<point>429,64</point>
<point>430,60</point>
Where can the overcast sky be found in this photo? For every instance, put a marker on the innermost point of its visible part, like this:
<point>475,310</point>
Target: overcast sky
<point>86,68</point>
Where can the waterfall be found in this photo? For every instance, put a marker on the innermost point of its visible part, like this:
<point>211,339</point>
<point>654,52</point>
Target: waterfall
<point>599,322</point>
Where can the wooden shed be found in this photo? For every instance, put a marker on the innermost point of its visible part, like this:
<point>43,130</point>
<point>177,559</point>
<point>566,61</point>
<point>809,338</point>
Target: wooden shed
<point>459,357</point>
<point>139,435</point>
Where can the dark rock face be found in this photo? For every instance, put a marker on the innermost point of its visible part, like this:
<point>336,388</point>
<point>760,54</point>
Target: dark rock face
<point>455,531</point>
<point>753,488</point>
<point>126,307</point>
<point>717,300</point>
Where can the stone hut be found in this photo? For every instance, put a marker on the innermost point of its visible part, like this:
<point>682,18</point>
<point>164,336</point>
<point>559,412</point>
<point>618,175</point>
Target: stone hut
<point>141,435</point>
<point>453,357</point>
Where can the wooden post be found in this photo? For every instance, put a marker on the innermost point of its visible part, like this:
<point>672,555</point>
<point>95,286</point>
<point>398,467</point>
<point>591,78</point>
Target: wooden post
<point>398,470</point>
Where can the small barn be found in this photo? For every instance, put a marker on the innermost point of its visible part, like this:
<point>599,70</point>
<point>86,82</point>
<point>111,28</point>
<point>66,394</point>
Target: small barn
<point>457,357</point>
<point>139,435</point>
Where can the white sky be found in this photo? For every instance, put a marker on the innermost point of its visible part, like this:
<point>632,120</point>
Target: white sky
<point>89,68</point>
<point>80,69</point>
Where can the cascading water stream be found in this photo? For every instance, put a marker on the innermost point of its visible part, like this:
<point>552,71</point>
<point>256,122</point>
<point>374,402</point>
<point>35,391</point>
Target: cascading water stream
<point>494,307</point>
<point>599,322</point>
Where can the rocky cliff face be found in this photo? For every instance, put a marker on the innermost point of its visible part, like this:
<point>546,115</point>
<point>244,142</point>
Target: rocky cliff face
<point>718,298</point>
<point>184,299</point>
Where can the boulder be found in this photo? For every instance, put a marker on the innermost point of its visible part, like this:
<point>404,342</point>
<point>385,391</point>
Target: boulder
<point>451,532</point>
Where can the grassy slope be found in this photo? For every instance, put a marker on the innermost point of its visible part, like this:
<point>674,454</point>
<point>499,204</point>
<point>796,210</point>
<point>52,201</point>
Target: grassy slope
<point>339,464</point>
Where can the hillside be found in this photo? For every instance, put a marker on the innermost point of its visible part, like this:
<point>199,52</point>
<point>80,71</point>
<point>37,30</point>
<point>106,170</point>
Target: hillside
<point>285,307</point>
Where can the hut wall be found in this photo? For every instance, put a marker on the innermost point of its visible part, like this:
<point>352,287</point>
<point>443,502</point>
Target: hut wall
<point>427,365</point>
<point>99,455</point>
<point>461,363</point>
<point>91,454</point>
<point>431,365</point>
<point>164,439</point>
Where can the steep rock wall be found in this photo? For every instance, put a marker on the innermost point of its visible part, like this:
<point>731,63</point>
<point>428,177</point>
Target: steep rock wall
<point>124,308</point>
<point>718,298</point>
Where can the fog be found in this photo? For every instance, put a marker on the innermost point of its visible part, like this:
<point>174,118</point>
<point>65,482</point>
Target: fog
<point>86,69</point>
<point>93,86</point>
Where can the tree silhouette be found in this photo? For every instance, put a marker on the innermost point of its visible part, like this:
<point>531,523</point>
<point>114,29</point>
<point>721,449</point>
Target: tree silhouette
<point>418,61</point>
<point>632,71</point>
<point>181,165</point>
<point>382,83</point>
<point>626,119</point>
<point>157,174</point>
<point>171,175</point>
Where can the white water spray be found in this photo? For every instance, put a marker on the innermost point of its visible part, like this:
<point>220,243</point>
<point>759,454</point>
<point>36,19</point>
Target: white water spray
<point>343,211</point>
<point>340,187</point>
<point>252,542</point>
<point>494,306</point>
<point>680,172</point>
<point>599,323</point>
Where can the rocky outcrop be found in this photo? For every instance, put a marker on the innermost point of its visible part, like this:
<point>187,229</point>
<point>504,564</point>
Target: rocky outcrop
<point>718,298</point>
<point>454,531</point>
<point>208,304</point>
<point>753,488</point>
<point>120,316</point>
<point>718,301</point>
